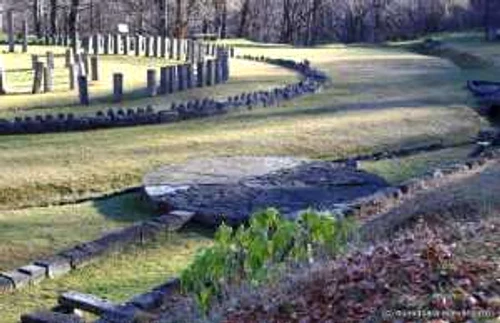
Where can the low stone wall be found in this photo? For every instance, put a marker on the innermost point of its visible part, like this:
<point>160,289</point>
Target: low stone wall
<point>86,253</point>
<point>312,80</point>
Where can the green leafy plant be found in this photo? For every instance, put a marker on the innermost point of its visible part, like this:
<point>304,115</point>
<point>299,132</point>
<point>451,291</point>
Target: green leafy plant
<point>248,253</point>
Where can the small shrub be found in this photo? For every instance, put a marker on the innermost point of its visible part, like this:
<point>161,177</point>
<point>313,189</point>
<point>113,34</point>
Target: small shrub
<point>250,253</point>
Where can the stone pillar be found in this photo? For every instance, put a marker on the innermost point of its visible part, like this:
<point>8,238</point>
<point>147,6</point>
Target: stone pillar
<point>156,46</point>
<point>152,84</point>
<point>50,60</point>
<point>181,78</point>
<point>179,49</point>
<point>189,76</point>
<point>94,68</point>
<point>86,63</point>
<point>171,79</point>
<point>163,80</point>
<point>97,44</point>
<point>200,69</point>
<point>210,72</point>
<point>34,61</point>
<point>48,80</point>
<point>117,43</point>
<point>69,57</point>
<point>3,86</point>
<point>218,70</point>
<point>38,78</point>
<point>138,45</point>
<point>25,35</point>
<point>126,44</point>
<point>107,44</point>
<point>73,76</point>
<point>163,49</point>
<point>117,87</point>
<point>171,48</point>
<point>10,31</point>
<point>148,46</point>
<point>83,90</point>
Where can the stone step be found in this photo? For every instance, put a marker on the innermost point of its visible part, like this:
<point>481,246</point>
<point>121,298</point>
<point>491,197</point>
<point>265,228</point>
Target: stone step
<point>86,303</point>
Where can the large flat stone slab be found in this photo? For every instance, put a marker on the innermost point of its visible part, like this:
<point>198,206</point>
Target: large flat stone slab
<point>231,189</point>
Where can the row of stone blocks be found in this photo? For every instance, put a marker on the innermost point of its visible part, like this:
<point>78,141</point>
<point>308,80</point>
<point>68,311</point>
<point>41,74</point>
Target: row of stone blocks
<point>152,46</point>
<point>86,253</point>
<point>191,109</point>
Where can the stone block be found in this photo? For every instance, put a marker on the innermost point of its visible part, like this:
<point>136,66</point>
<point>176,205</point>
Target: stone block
<point>55,266</point>
<point>17,278</point>
<point>36,273</point>
<point>78,258</point>
<point>6,285</point>
<point>50,317</point>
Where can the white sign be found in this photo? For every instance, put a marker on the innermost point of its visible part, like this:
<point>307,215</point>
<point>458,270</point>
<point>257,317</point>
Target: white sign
<point>123,28</point>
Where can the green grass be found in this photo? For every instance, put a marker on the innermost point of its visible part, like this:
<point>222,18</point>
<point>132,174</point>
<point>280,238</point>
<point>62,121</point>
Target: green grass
<point>29,234</point>
<point>246,76</point>
<point>118,277</point>
<point>398,170</point>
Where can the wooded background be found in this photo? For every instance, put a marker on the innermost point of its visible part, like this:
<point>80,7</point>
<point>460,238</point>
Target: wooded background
<point>301,22</point>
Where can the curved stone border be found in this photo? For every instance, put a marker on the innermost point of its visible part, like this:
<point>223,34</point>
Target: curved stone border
<point>312,80</point>
<point>86,253</point>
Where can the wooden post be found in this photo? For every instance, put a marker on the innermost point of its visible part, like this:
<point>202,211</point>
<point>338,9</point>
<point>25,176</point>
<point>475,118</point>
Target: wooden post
<point>73,76</point>
<point>164,80</point>
<point>83,90</point>
<point>25,35</point>
<point>48,80</point>
<point>94,68</point>
<point>117,87</point>
<point>200,69</point>
<point>151,81</point>
<point>37,78</point>
<point>50,60</point>
<point>10,31</point>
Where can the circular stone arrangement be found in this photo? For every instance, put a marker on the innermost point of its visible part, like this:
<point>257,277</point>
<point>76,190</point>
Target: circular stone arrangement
<point>230,189</point>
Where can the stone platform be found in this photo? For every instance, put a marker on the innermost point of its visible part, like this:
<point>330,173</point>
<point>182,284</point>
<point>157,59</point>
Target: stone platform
<point>231,188</point>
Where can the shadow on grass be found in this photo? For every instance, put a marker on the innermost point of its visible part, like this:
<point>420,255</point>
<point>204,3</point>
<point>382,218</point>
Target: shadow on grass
<point>126,207</point>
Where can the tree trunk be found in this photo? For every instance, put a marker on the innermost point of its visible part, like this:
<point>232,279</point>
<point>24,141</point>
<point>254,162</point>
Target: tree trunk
<point>73,23</point>
<point>38,17</point>
<point>53,17</point>
<point>245,11</point>
<point>163,18</point>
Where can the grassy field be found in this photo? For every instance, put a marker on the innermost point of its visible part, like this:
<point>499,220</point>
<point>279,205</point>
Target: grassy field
<point>118,277</point>
<point>33,233</point>
<point>380,98</point>
<point>246,75</point>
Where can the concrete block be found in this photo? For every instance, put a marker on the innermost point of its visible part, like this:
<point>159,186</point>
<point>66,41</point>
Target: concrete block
<point>55,266</point>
